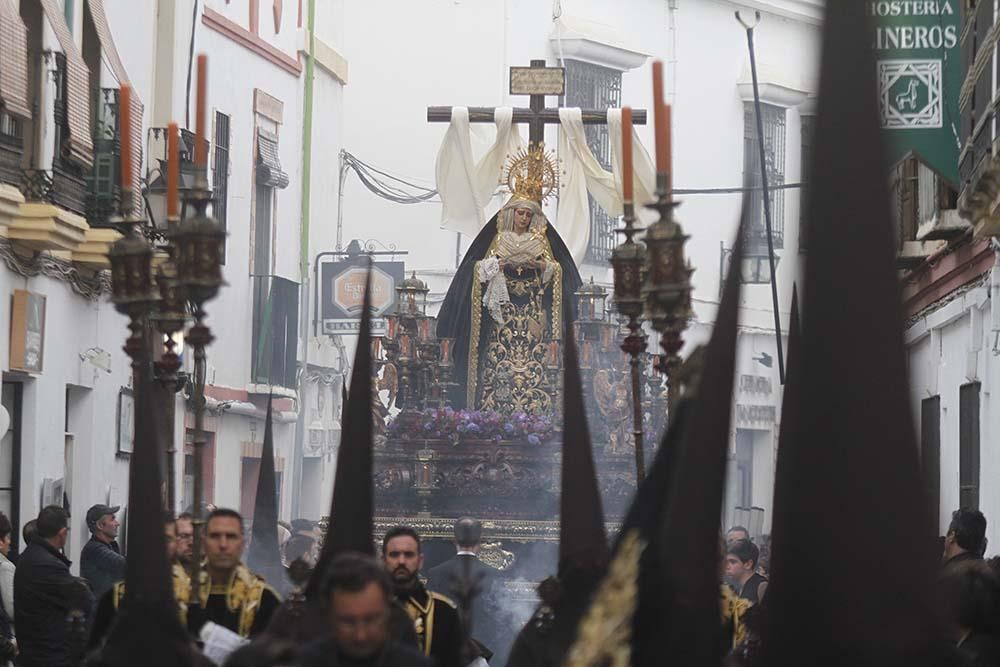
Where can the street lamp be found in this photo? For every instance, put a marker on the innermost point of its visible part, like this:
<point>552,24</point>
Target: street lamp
<point>667,287</point>
<point>628,260</point>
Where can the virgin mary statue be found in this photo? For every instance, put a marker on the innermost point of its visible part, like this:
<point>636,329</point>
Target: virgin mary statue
<point>512,295</point>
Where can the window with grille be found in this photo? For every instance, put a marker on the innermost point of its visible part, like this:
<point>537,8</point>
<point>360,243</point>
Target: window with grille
<point>807,126</point>
<point>220,169</point>
<point>968,445</point>
<point>773,119</point>
<point>594,87</point>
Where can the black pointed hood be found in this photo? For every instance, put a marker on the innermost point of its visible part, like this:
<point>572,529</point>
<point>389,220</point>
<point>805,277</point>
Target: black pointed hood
<point>689,538</point>
<point>264,554</point>
<point>583,542</point>
<point>352,507</point>
<point>147,628</point>
<point>852,546</point>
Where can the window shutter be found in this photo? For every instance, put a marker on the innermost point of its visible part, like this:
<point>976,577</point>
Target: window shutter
<point>13,61</point>
<point>78,145</point>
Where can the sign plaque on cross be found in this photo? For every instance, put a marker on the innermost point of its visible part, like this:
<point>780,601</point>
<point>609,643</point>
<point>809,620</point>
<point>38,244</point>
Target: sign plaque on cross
<point>536,81</point>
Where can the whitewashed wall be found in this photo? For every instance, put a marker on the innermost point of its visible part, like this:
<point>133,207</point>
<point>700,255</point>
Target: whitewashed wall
<point>946,350</point>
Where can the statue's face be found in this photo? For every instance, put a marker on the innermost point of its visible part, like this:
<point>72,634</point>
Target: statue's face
<point>522,219</point>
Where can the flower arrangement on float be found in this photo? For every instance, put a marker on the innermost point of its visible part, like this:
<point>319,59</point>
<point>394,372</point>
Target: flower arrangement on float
<point>458,425</point>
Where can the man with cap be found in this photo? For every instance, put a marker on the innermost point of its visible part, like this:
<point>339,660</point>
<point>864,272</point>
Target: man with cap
<point>109,603</point>
<point>101,560</point>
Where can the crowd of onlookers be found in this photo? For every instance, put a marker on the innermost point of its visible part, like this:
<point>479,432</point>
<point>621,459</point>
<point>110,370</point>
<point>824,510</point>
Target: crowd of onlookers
<point>39,594</point>
<point>967,592</point>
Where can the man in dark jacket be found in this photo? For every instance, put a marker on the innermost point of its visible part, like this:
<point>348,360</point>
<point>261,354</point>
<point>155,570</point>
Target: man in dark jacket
<point>48,599</point>
<point>466,570</point>
<point>101,560</point>
<point>966,538</point>
<point>359,593</point>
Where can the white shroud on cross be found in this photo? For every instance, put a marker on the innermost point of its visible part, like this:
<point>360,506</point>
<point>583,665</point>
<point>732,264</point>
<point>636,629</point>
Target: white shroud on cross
<point>466,186</point>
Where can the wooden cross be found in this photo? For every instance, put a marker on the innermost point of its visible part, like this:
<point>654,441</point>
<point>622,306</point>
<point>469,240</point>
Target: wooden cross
<point>536,81</point>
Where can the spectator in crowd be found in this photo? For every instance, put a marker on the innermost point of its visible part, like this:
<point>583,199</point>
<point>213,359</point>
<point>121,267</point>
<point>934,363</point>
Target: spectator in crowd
<point>109,603</point>
<point>970,594</point>
<point>29,532</point>
<point>46,595</point>
<point>735,534</point>
<point>101,560</point>
<point>741,571</point>
<point>966,537</point>
<point>359,593</point>
<point>185,539</point>
<point>465,569</point>
<point>7,641</point>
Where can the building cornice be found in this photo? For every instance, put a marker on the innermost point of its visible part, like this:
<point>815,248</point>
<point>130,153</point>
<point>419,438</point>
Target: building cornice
<point>941,275</point>
<point>91,287</point>
<point>806,11</point>
<point>774,85</point>
<point>595,43</point>
<point>252,42</point>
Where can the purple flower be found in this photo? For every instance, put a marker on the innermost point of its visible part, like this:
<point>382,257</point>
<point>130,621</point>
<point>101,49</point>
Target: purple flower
<point>533,440</point>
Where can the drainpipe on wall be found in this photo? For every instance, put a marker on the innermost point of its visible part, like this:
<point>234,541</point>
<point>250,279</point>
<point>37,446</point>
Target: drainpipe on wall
<point>995,297</point>
<point>307,126</point>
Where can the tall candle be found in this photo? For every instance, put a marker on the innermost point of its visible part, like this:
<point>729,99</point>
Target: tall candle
<point>200,142</point>
<point>446,350</point>
<point>404,346</point>
<point>391,322</point>
<point>627,154</point>
<point>125,134</point>
<point>173,174</point>
<point>662,123</point>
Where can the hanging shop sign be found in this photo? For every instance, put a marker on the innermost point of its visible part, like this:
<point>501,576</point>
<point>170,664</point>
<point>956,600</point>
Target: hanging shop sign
<point>919,77</point>
<point>343,293</point>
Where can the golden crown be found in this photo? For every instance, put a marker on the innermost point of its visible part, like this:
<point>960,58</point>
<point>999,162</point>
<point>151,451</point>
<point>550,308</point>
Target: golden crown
<point>531,173</point>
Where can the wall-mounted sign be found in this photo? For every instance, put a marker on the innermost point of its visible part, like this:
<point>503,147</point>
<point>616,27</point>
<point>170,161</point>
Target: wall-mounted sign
<point>756,414</point>
<point>756,384</point>
<point>537,80</point>
<point>27,332</point>
<point>343,293</point>
<point>919,76</point>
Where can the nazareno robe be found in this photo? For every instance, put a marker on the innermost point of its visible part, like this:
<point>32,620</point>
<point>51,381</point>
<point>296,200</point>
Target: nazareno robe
<point>455,316</point>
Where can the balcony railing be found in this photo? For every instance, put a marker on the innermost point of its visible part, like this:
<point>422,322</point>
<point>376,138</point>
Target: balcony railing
<point>275,331</point>
<point>65,182</point>
<point>11,149</point>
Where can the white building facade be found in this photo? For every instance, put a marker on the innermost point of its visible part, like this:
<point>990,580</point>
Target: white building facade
<point>66,383</point>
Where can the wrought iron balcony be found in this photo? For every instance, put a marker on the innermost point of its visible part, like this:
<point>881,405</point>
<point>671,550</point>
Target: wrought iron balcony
<point>11,149</point>
<point>36,185</point>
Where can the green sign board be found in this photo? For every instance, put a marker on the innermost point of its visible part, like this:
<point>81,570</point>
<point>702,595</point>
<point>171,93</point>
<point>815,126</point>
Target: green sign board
<point>919,78</point>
